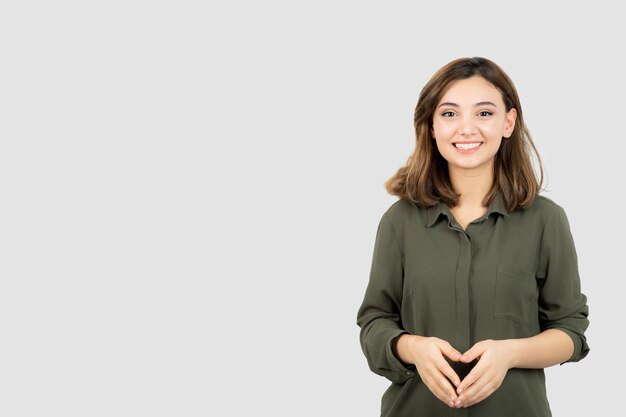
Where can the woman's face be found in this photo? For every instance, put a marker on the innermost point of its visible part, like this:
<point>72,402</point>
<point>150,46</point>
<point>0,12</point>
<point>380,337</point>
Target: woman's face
<point>469,123</point>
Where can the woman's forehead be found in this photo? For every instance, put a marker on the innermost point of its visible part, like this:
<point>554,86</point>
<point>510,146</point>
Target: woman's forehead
<point>471,91</point>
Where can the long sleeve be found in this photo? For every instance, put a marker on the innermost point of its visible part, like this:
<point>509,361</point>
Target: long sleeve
<point>561,304</point>
<point>379,314</point>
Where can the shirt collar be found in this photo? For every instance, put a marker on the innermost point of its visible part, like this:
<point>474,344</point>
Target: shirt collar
<point>433,212</point>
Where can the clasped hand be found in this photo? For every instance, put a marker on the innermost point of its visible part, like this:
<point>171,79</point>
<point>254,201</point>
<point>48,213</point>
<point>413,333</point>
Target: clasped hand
<point>494,361</point>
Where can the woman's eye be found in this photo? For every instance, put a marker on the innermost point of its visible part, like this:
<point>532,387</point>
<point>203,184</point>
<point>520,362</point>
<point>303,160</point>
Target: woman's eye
<point>488,113</point>
<point>447,112</point>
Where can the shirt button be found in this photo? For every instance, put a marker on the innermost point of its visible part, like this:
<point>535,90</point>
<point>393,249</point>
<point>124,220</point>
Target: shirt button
<point>409,373</point>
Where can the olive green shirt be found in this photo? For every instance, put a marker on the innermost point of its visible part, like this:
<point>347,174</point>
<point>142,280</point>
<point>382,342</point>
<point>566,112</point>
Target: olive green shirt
<point>508,275</point>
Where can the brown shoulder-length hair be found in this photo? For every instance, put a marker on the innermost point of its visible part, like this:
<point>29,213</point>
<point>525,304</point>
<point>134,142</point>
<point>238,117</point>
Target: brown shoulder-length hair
<point>425,178</point>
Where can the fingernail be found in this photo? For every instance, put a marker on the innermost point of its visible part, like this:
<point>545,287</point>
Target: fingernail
<point>464,357</point>
<point>460,390</point>
<point>458,403</point>
<point>456,383</point>
<point>451,403</point>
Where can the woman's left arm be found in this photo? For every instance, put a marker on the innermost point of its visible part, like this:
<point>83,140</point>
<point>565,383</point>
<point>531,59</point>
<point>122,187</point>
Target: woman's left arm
<point>496,357</point>
<point>562,305</point>
<point>562,313</point>
<point>548,348</point>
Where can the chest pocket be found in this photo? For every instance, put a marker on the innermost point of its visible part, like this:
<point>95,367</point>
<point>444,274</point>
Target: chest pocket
<point>515,294</point>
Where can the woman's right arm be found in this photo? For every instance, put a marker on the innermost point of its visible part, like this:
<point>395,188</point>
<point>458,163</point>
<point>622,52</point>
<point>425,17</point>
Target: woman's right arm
<point>426,353</point>
<point>392,351</point>
<point>379,314</point>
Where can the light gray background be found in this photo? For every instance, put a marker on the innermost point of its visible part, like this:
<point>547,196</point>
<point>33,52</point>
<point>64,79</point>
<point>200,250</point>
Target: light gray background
<point>189,193</point>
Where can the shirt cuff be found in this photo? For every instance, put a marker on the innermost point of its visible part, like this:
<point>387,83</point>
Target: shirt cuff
<point>580,346</point>
<point>404,372</point>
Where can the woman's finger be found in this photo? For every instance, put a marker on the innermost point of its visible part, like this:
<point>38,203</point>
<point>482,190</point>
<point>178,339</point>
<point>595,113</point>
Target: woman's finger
<point>449,351</point>
<point>475,352</point>
<point>470,393</point>
<point>471,378</point>
<point>448,396</point>
<point>484,389</point>
<point>447,370</point>
<point>433,383</point>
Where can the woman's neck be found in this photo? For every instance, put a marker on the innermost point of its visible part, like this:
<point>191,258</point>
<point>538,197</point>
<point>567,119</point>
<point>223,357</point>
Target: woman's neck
<point>473,185</point>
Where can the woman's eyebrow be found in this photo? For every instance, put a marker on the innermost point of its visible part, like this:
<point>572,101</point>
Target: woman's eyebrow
<point>481,103</point>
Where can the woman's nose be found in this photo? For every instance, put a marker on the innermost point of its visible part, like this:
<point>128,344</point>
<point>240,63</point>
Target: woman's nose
<point>468,126</point>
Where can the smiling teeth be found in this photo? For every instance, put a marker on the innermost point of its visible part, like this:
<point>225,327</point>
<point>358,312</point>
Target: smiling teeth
<point>467,145</point>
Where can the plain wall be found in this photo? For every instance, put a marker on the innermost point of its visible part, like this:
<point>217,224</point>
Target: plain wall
<point>190,192</point>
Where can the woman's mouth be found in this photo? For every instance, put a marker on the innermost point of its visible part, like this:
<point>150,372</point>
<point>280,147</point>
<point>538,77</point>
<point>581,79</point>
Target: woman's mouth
<point>467,147</point>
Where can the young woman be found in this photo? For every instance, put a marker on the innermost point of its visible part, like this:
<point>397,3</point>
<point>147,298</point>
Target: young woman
<point>474,284</point>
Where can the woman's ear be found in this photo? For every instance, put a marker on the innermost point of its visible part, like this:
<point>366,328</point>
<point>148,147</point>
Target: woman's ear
<point>509,123</point>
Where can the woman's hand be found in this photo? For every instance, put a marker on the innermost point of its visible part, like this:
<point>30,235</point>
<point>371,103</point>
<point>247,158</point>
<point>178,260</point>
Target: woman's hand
<point>495,359</point>
<point>427,353</point>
